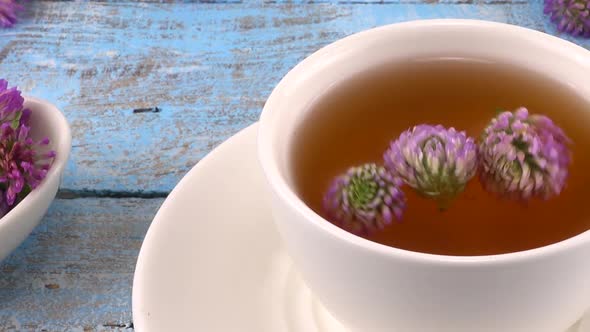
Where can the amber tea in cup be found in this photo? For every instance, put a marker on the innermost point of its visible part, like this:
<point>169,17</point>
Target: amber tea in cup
<point>354,122</point>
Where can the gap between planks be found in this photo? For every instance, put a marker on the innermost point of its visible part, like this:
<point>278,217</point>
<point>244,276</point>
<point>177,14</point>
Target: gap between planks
<point>88,193</point>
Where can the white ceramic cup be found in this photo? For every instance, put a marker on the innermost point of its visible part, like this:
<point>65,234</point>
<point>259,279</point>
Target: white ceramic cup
<point>372,287</point>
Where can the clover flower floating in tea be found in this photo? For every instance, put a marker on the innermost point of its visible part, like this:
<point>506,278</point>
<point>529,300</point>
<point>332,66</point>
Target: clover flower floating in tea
<point>365,199</point>
<point>571,16</point>
<point>24,162</point>
<point>437,162</point>
<point>520,156</point>
<point>523,155</point>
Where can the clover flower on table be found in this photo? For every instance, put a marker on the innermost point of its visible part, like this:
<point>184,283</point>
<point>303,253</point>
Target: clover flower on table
<point>571,16</point>
<point>8,10</point>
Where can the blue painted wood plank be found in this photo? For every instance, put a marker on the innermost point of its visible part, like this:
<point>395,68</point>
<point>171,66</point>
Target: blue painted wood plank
<point>74,273</point>
<point>209,67</point>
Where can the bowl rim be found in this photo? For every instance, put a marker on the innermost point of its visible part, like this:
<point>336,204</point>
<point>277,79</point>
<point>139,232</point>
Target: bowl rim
<point>62,149</point>
<point>280,187</point>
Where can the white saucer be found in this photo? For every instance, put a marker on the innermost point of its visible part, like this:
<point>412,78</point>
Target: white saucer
<point>213,261</point>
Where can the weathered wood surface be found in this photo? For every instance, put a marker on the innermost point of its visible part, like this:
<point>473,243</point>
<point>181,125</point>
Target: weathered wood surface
<point>208,67</point>
<point>74,273</point>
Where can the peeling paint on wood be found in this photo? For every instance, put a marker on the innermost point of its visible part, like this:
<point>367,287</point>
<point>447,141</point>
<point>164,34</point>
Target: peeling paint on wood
<point>150,88</point>
<point>210,66</point>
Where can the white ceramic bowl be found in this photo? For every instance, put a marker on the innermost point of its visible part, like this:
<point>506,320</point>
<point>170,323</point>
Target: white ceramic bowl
<point>372,287</point>
<point>16,225</point>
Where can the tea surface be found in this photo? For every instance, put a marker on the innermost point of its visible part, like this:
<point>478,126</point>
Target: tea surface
<point>354,122</point>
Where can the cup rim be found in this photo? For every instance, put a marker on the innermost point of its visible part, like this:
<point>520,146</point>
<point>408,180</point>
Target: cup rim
<point>282,189</point>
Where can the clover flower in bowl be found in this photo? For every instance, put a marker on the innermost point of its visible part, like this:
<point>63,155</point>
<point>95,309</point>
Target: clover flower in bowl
<point>35,143</point>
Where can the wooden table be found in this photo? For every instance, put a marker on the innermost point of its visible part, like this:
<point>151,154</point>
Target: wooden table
<point>149,89</point>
